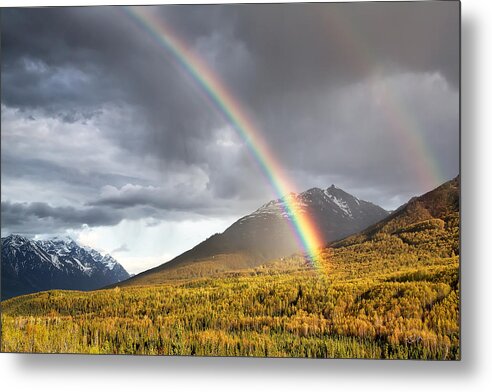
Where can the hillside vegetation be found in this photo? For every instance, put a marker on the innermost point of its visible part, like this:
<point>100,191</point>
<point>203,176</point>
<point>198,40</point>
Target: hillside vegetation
<point>390,292</point>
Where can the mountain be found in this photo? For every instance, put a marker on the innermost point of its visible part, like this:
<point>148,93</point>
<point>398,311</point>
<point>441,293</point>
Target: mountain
<point>266,233</point>
<point>437,209</point>
<point>60,263</point>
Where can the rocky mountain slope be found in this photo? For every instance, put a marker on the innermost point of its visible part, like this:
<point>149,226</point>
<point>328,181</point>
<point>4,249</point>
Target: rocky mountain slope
<point>267,233</point>
<point>60,263</point>
<point>438,209</point>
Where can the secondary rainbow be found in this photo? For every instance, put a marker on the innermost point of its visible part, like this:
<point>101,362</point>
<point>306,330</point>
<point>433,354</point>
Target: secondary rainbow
<point>307,234</point>
<point>403,124</point>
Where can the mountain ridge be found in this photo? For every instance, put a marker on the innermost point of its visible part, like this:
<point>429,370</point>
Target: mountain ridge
<point>266,233</point>
<point>440,204</point>
<point>37,265</point>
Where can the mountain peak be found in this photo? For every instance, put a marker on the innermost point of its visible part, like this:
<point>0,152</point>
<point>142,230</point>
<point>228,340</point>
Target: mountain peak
<point>311,191</point>
<point>58,263</point>
<point>16,236</point>
<point>267,234</point>
<point>15,239</point>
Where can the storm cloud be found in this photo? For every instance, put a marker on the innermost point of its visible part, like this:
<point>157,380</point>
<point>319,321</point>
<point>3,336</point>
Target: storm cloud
<point>31,218</point>
<point>101,125</point>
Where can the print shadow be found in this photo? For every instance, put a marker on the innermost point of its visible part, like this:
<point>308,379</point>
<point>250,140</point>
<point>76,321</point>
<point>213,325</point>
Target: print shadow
<point>370,369</point>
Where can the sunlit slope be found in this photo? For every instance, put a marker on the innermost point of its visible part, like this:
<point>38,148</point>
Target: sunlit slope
<point>267,234</point>
<point>432,209</point>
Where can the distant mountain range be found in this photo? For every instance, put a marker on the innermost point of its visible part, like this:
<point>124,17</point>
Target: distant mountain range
<point>30,266</point>
<point>266,233</point>
<point>36,265</point>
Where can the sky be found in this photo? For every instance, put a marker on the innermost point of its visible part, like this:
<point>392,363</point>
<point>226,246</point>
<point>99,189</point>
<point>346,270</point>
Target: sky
<point>107,139</point>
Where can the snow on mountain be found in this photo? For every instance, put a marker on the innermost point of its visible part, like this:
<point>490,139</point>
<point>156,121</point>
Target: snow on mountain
<point>267,232</point>
<point>334,199</point>
<point>59,262</point>
<point>340,203</point>
<point>279,207</point>
<point>335,212</point>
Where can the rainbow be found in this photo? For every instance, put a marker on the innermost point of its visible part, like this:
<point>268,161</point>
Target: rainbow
<point>404,127</point>
<point>304,228</point>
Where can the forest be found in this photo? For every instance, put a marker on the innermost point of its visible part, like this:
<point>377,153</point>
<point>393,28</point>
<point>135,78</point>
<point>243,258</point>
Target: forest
<point>393,294</point>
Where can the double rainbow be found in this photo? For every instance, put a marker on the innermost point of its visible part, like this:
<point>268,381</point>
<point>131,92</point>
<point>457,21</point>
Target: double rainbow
<point>304,228</point>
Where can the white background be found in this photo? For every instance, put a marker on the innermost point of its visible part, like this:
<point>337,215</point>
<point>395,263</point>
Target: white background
<point>473,373</point>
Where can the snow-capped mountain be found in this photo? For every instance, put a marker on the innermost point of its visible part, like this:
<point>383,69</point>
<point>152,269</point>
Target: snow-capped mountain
<point>335,213</point>
<point>323,202</point>
<point>267,233</point>
<point>59,263</point>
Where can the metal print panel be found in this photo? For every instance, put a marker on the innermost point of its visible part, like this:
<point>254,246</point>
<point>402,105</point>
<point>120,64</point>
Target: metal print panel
<point>168,180</point>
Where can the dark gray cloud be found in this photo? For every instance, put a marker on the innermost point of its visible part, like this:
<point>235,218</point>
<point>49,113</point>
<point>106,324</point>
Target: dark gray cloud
<point>83,58</point>
<point>299,45</point>
<point>179,197</point>
<point>34,169</point>
<point>96,113</point>
<point>38,217</point>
